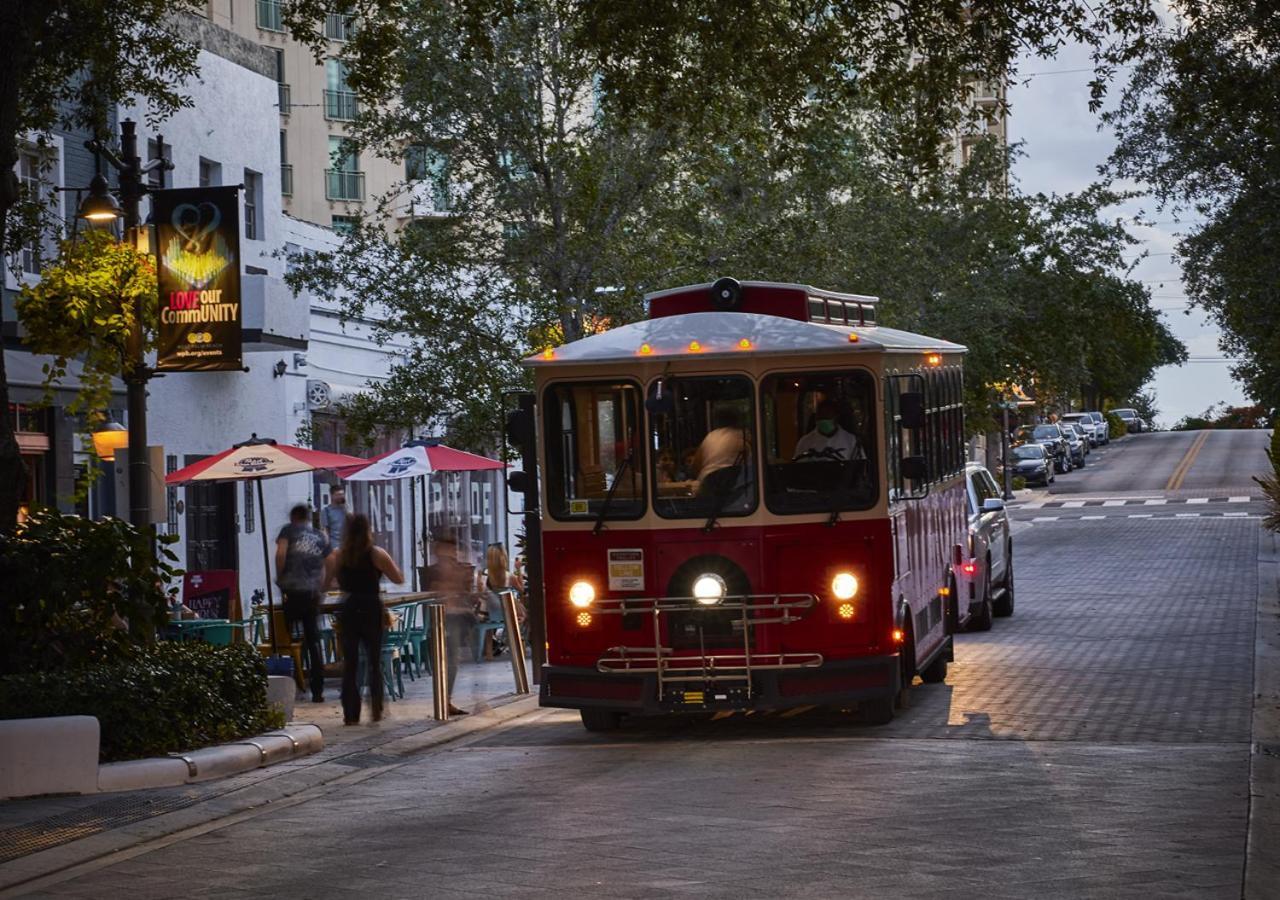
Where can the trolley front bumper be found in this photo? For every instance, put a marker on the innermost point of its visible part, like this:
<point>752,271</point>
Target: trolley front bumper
<point>831,683</point>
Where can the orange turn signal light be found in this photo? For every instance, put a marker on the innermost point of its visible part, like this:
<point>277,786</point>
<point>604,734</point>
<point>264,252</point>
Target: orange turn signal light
<point>853,338</point>
<point>548,354</point>
<point>934,359</point>
<point>645,349</point>
<point>694,347</point>
<point>744,344</point>
<point>898,635</point>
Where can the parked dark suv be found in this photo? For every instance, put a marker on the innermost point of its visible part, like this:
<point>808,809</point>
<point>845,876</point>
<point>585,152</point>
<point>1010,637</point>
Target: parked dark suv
<point>1050,435</point>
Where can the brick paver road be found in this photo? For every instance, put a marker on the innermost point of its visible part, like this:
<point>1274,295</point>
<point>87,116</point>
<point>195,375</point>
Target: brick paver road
<point>1094,745</point>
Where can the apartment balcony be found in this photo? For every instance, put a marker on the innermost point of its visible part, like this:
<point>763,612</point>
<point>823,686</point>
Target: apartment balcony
<point>343,185</point>
<point>339,27</point>
<point>340,106</point>
<point>271,15</point>
<point>427,198</point>
<point>286,179</point>
<point>986,93</point>
<point>285,101</point>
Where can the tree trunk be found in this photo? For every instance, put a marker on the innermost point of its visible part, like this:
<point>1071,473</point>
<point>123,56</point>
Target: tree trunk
<point>13,473</point>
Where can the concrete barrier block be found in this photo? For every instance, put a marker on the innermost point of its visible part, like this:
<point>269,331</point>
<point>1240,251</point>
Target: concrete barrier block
<point>135,774</point>
<point>56,755</point>
<point>308,738</point>
<point>281,691</point>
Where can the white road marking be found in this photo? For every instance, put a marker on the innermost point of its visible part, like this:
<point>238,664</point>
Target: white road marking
<point>1073,504</point>
<point>1037,505</point>
<point>1187,515</point>
<point>1197,500</point>
<point>1139,515</point>
<point>1155,503</point>
<point>1239,499</point>
<point>1235,515</point>
<point>1045,519</point>
<point>1113,503</point>
<point>1091,518</point>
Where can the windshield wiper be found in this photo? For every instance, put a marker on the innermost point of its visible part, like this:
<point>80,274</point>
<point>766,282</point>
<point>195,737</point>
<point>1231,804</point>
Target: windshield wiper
<point>608,500</point>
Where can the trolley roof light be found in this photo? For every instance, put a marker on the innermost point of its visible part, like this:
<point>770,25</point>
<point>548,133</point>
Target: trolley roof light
<point>709,589</point>
<point>934,359</point>
<point>581,594</point>
<point>645,349</point>
<point>744,344</point>
<point>549,353</point>
<point>695,347</point>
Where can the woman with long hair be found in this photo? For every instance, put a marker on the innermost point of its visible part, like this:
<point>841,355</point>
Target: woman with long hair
<point>357,567</point>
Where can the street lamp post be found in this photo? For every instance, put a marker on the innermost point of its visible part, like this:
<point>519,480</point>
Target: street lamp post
<point>101,206</point>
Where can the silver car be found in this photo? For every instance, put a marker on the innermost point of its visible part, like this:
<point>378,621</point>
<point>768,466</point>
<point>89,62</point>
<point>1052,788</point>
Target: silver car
<point>1086,423</point>
<point>989,569</point>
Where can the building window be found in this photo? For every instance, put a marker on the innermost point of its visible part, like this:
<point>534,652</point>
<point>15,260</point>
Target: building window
<point>271,15</point>
<point>158,150</point>
<point>285,96</point>
<point>338,27</point>
<point>339,100</point>
<point>344,181</point>
<point>286,169</point>
<point>344,224</point>
<point>423,164</point>
<point>210,173</point>
<point>34,167</point>
<point>252,205</point>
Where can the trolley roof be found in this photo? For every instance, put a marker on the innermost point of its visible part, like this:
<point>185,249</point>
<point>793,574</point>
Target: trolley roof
<point>723,334</point>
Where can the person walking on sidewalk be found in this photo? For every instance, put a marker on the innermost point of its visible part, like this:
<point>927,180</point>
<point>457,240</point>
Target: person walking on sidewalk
<point>456,582</point>
<point>357,567</point>
<point>300,556</point>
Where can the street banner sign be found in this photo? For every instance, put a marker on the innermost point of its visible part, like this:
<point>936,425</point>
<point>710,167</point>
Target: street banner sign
<point>198,272</point>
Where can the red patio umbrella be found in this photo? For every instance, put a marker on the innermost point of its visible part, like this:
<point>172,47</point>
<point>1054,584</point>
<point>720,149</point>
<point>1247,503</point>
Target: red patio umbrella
<point>254,460</point>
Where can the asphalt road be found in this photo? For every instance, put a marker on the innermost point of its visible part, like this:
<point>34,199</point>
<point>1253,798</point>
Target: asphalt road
<point>1171,461</point>
<point>1094,745</point>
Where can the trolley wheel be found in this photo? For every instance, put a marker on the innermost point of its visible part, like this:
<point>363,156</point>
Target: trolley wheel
<point>936,671</point>
<point>1004,604</point>
<point>981,620</point>
<point>600,720</point>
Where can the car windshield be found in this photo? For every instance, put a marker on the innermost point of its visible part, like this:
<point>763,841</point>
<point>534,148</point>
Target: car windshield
<point>1028,451</point>
<point>1046,432</point>
<point>701,436</point>
<point>1125,413</point>
<point>819,435</point>
<point>593,444</point>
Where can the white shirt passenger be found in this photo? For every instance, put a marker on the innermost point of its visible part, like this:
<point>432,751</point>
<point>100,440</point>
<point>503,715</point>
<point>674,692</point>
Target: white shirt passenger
<point>840,445</point>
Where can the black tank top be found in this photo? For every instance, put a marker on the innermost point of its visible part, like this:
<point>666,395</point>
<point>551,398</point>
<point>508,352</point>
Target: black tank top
<point>361,579</point>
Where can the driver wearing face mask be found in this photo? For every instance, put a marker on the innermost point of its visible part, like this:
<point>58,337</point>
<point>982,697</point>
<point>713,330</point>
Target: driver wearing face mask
<point>828,441</point>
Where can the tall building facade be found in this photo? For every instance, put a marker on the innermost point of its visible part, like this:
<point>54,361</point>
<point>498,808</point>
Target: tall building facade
<point>319,181</point>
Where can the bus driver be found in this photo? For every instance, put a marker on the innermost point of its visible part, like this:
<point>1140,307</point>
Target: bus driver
<point>827,441</point>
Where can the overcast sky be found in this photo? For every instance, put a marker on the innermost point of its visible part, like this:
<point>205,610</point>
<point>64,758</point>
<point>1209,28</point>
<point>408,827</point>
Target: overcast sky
<point>1063,148</point>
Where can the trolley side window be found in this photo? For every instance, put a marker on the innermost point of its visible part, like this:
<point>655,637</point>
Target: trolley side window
<point>819,441</point>
<point>594,451</point>
<point>701,435</point>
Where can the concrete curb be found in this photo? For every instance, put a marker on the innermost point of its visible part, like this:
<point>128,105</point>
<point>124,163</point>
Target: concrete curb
<point>212,762</point>
<point>1262,854</point>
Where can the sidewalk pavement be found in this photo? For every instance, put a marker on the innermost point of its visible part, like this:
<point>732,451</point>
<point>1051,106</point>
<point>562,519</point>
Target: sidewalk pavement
<point>44,837</point>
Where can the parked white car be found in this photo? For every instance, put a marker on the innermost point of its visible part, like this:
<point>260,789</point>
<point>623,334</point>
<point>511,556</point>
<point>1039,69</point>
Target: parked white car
<point>989,568</point>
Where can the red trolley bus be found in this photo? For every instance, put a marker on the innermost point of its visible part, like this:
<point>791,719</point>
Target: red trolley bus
<point>754,499</point>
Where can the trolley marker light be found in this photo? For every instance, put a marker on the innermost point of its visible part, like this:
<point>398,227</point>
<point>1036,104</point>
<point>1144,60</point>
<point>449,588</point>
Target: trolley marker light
<point>934,359</point>
<point>581,594</point>
<point>853,338</point>
<point>709,589</point>
<point>844,586</point>
<point>695,347</point>
<point>970,568</point>
<point>645,349</point>
<point>584,619</point>
<point>898,635</point>
<point>744,344</point>
<point>548,354</point>
<point>846,610</point>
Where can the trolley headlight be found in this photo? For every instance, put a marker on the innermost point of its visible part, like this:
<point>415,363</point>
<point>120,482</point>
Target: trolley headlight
<point>581,594</point>
<point>844,586</point>
<point>709,589</point>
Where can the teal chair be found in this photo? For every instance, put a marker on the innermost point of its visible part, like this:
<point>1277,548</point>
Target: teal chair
<point>418,640</point>
<point>493,624</point>
<point>220,634</point>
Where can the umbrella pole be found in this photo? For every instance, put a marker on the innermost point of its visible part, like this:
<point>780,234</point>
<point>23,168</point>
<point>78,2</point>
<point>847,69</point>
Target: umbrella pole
<point>425,528</point>
<point>266,565</point>
<point>413,528</point>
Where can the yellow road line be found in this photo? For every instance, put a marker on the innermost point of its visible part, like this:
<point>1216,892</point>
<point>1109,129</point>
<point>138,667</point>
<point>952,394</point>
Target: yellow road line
<point>1175,480</point>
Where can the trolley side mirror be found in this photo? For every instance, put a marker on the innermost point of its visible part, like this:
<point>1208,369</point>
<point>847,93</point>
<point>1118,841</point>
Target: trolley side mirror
<point>911,410</point>
<point>915,468</point>
<point>518,482</point>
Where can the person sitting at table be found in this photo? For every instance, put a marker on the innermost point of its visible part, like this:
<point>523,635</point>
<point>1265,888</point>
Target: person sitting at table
<point>498,578</point>
<point>827,440</point>
<point>357,567</point>
<point>454,581</point>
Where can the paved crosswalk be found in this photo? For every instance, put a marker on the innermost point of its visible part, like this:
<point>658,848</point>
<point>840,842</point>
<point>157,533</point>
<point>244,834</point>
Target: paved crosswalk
<point>1126,501</point>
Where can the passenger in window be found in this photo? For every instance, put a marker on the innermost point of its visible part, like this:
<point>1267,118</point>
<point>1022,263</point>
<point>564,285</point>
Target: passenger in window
<point>721,454</point>
<point>827,441</point>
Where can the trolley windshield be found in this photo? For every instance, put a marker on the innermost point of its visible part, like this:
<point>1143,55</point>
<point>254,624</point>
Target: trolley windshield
<point>701,432</point>
<point>594,467</point>
<point>819,440</point>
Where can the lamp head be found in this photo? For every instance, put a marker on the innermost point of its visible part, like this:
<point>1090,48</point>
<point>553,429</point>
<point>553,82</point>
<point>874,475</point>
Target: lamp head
<point>100,206</point>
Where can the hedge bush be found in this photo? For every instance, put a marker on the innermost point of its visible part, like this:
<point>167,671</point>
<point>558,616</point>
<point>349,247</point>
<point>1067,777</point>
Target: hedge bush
<point>1116,428</point>
<point>165,698</point>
